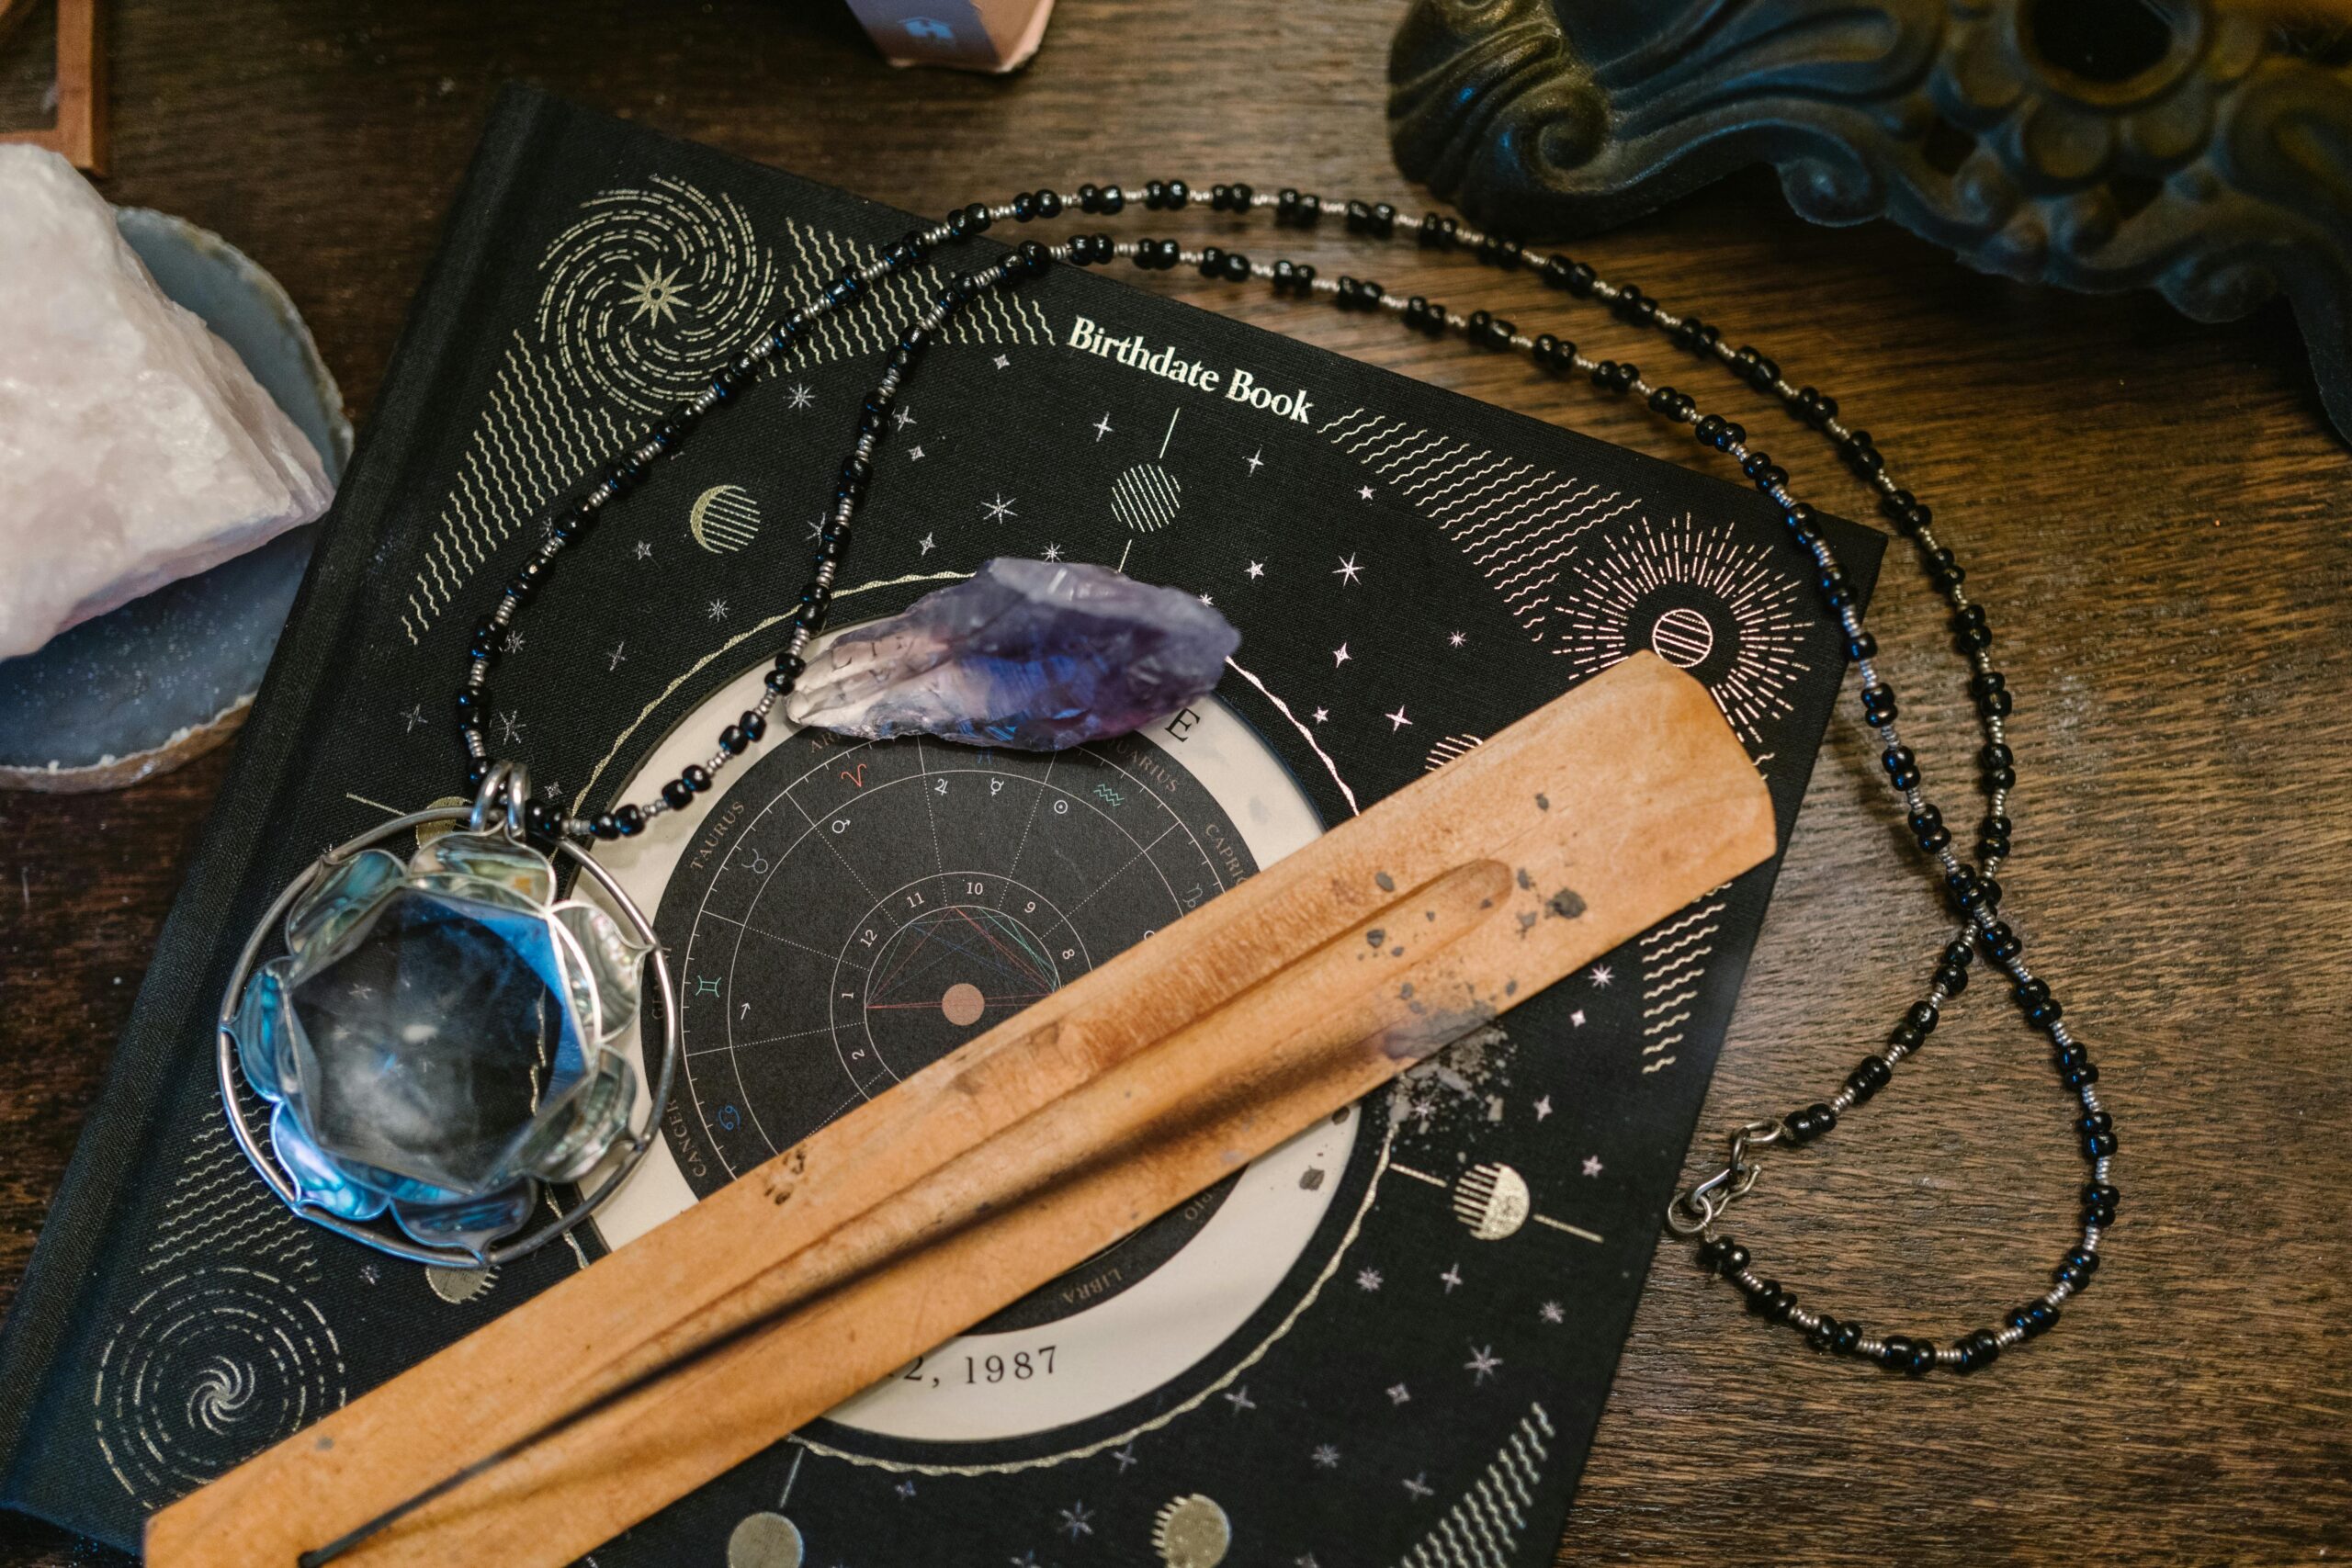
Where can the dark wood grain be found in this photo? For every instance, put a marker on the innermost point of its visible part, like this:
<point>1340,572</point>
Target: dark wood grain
<point>2154,510</point>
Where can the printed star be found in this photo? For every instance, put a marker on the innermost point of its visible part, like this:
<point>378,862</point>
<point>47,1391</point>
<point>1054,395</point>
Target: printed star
<point>1000,508</point>
<point>1396,720</point>
<point>1256,569</point>
<point>1365,493</point>
<point>510,727</point>
<point>1543,1108</point>
<point>1456,640</point>
<point>801,396</point>
<point>367,1272</point>
<point>1347,571</point>
<point>1053,552</point>
<point>1400,1394</point>
<point>1075,1520</point>
<point>926,544</point>
<point>1104,428</point>
<point>1592,1165</point>
<point>615,659</point>
<point>1256,462</point>
<point>817,527</point>
<point>1367,1279</point>
<point>1482,1362</point>
<point>914,454</point>
<point>654,294</point>
<point>1327,1457</point>
<point>718,611</point>
<point>1239,1399</point>
<point>1001,361</point>
<point>414,717</point>
<point>1206,599</point>
<point>1453,1277</point>
<point>552,790</point>
<point>362,990</point>
<point>1305,1560</point>
<point>1126,1457</point>
<point>1026,1559</point>
<point>1552,1312</point>
<point>905,1488</point>
<point>1339,656</point>
<point>1601,976</point>
<point>1419,1485</point>
<point>645,549</point>
<point>1322,714</point>
<point>513,643</point>
<point>903,418</point>
<point>1576,1018</point>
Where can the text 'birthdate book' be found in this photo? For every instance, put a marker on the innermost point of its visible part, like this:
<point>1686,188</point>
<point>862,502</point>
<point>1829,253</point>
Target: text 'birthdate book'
<point>1386,1342</point>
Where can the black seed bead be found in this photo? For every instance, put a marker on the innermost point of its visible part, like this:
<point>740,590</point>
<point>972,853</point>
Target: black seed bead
<point>978,215</point>
<point>1439,232</point>
<point>1359,217</point>
<point>2094,1122</point>
<point>1894,1353</point>
<point>1236,267</point>
<point>541,820</point>
<point>1024,208</point>
<point>1090,199</point>
<point>1780,1305</point>
<point>1179,193</point>
<point>2066,1058</point>
<point>1952,981</point>
<point>1958,954</point>
<point>1878,706</point>
<point>1823,1334</point>
<point>1870,1076</point>
<point>2098,1146</point>
<point>1922,1017</point>
<point>629,820</point>
<point>1112,202</point>
<point>1711,1253</point>
<point>2078,1080</point>
<point>1580,279</point>
<point>2000,943</point>
<point>1760,1295</point>
<point>780,680</point>
<point>753,725</point>
<point>2084,1258</point>
<point>2073,1279</point>
<point>1909,1036</point>
<point>1049,204</point>
<point>1848,1337</point>
<point>697,777</point>
<point>1734,1258</point>
<point>476,769</point>
<point>1902,767</point>
<point>733,741</point>
<point>472,702</point>
<point>604,826</point>
<point>677,792</point>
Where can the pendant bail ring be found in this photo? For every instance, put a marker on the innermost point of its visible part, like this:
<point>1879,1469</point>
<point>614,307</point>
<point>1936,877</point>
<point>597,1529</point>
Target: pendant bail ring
<point>505,792</point>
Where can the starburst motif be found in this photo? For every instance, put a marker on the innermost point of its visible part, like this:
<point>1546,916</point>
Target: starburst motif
<point>510,727</point>
<point>1104,428</point>
<point>1367,1279</point>
<point>1576,1018</point>
<point>1419,1485</point>
<point>1698,598</point>
<point>414,717</point>
<point>1000,508</point>
<point>1206,599</point>
<point>1347,571</point>
<point>1326,1457</point>
<point>905,1488</point>
<point>1077,1520</point>
<point>1126,1457</point>
<point>645,549</point>
<point>1396,720</point>
<point>914,454</point>
<point>616,659</point>
<point>801,396</point>
<point>1399,1394</point>
<point>1592,1165</point>
<point>1543,1108</point>
<point>1452,1278</point>
<point>1456,639</point>
<point>1482,1363</point>
<point>718,610</point>
<point>925,545</point>
<point>1003,361</point>
<point>1053,552</point>
<point>512,643</point>
<point>1239,1399</point>
<point>655,294</point>
<point>1339,656</point>
<point>1603,977</point>
<point>903,418</point>
<point>1257,460</point>
<point>1552,1312</point>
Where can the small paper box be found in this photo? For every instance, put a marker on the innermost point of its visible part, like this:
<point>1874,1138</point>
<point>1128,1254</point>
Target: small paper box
<point>973,35</point>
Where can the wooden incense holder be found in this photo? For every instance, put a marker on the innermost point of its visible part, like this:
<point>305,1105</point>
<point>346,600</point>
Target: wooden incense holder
<point>1028,1149</point>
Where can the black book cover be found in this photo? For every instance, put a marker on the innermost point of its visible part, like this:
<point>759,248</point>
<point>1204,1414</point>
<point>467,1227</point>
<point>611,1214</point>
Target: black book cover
<point>1386,1343</point>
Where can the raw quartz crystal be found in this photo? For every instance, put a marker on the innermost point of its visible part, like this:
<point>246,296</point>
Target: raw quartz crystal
<point>135,446</point>
<point>1031,654</point>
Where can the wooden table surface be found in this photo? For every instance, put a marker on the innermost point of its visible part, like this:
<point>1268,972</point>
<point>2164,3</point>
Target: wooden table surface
<point>2154,510</point>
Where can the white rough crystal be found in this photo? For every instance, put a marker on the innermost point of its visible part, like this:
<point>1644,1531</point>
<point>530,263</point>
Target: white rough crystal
<point>135,446</point>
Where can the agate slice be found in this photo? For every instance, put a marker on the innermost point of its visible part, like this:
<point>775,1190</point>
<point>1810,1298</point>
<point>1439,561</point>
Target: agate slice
<point>1036,655</point>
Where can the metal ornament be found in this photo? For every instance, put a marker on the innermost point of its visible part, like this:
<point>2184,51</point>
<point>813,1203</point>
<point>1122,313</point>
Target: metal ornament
<point>2190,146</point>
<point>441,1039</point>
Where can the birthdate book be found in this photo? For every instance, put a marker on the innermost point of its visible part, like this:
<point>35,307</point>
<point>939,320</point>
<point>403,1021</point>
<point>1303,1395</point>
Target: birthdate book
<point>1384,1344</point>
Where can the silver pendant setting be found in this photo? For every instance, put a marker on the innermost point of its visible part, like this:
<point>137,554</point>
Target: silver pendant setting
<point>442,1039</point>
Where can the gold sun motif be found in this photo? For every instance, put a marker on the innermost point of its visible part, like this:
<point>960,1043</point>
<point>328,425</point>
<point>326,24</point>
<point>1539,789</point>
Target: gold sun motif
<point>656,294</point>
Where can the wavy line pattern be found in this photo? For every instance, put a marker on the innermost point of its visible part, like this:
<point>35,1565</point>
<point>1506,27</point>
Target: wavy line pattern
<point>1483,1528</point>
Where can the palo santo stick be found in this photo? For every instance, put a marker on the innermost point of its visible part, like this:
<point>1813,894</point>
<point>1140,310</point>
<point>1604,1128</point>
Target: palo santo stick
<point>1029,1149</point>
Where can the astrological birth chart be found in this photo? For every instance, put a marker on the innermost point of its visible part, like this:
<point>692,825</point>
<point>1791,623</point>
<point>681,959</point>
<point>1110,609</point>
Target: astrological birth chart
<point>849,911</point>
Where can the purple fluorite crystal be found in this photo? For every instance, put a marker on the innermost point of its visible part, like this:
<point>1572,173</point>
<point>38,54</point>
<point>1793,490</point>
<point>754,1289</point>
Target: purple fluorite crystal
<point>1038,655</point>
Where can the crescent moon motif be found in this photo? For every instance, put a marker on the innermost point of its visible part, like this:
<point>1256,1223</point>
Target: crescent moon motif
<point>724,519</point>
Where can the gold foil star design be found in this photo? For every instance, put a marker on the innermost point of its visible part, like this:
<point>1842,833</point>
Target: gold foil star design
<point>655,294</point>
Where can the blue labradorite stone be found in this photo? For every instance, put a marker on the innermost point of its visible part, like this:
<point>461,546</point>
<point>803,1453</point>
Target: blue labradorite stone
<point>423,1040</point>
<point>1037,655</point>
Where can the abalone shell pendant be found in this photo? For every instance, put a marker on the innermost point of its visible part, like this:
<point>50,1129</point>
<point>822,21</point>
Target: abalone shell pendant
<point>442,1038</point>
